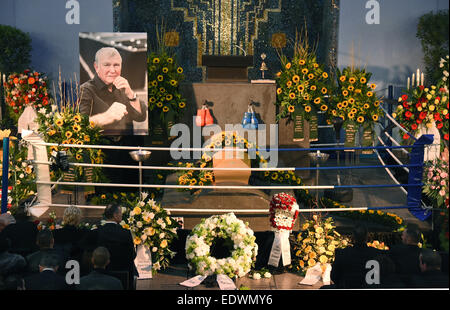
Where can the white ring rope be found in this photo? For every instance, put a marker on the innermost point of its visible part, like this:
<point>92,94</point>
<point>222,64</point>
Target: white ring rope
<point>313,187</point>
<point>396,143</point>
<point>390,174</point>
<point>395,122</point>
<point>392,155</point>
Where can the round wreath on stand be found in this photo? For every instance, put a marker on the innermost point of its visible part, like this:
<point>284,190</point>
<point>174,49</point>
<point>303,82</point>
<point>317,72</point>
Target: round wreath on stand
<point>224,228</point>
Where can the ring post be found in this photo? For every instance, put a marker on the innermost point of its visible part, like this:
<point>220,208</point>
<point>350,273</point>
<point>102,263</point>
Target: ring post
<point>5,175</point>
<point>416,176</point>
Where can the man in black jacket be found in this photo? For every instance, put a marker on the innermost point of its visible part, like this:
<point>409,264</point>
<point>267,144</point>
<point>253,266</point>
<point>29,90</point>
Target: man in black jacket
<point>118,241</point>
<point>47,278</point>
<point>349,267</point>
<point>406,255</point>
<point>431,275</point>
<point>98,279</point>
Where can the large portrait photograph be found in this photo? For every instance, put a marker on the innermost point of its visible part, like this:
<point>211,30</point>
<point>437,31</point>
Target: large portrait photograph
<point>113,78</point>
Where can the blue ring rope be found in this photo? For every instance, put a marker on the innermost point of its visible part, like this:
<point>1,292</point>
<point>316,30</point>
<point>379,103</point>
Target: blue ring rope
<point>335,148</point>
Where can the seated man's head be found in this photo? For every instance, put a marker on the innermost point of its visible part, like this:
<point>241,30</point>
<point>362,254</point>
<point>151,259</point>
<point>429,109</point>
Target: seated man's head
<point>113,212</point>
<point>49,260</point>
<point>108,64</point>
<point>44,239</point>
<point>411,235</point>
<point>429,260</point>
<point>360,235</point>
<point>72,216</point>
<point>100,257</point>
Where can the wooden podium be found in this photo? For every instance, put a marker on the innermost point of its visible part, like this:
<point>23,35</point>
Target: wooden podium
<point>227,68</point>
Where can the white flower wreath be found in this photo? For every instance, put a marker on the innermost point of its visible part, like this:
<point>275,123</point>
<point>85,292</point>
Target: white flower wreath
<point>225,226</point>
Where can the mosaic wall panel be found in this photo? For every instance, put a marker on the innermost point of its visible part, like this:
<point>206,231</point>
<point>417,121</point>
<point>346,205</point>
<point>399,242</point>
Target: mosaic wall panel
<point>231,27</point>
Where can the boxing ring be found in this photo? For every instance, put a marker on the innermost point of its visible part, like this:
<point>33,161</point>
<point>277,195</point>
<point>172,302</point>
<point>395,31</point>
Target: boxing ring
<point>412,189</point>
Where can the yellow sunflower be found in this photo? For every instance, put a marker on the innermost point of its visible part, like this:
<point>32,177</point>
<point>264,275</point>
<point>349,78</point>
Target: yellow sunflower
<point>350,88</point>
<point>305,71</point>
<point>351,101</point>
<point>324,90</point>
<point>352,80</point>
<point>76,128</point>
<point>77,118</point>
<point>87,138</point>
<point>279,91</point>
<point>363,80</point>
<point>169,97</point>
<point>366,106</point>
<point>173,82</point>
<point>169,60</point>
<point>310,76</point>
<point>373,86</point>
<point>68,134</point>
<point>317,100</point>
<point>344,103</point>
<point>323,107</point>
<point>308,108</point>
<point>78,156</point>
<point>59,122</point>
<point>159,104</point>
<point>342,78</point>
<point>291,108</point>
<point>292,95</point>
<point>180,70</point>
<point>325,75</point>
<point>152,100</point>
<point>313,87</point>
<point>288,65</point>
<point>296,78</point>
<point>165,109</point>
<point>301,62</point>
<point>182,105</point>
<point>360,119</point>
<point>300,88</point>
<point>165,70</point>
<point>375,117</point>
<point>369,94</point>
<point>345,93</point>
<point>160,78</point>
<point>156,60</point>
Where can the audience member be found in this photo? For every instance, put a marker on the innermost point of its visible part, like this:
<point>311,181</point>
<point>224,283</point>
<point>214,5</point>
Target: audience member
<point>47,278</point>
<point>68,237</point>
<point>10,263</point>
<point>349,267</point>
<point>98,279</point>
<point>406,255</point>
<point>118,241</point>
<point>430,267</point>
<point>5,220</point>
<point>45,242</point>
<point>22,233</point>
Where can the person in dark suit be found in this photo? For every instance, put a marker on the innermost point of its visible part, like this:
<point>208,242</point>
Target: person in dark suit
<point>118,241</point>
<point>45,243</point>
<point>68,238</point>
<point>22,233</point>
<point>406,255</point>
<point>10,263</point>
<point>47,278</point>
<point>388,275</point>
<point>98,279</point>
<point>431,276</point>
<point>349,267</point>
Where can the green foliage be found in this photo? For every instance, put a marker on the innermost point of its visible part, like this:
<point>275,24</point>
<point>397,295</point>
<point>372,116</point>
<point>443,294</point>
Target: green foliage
<point>15,49</point>
<point>432,31</point>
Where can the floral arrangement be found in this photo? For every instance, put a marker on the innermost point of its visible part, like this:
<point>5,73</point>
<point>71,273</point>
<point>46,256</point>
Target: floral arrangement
<point>219,141</point>
<point>302,86</point>
<point>26,89</point>
<point>316,243</point>
<point>21,176</point>
<point>378,245</point>
<point>260,274</point>
<point>391,220</point>
<point>423,106</point>
<point>151,225</point>
<point>49,224</point>
<point>436,182</point>
<point>283,212</point>
<point>227,226</point>
<point>68,126</point>
<point>355,100</point>
<point>444,66</point>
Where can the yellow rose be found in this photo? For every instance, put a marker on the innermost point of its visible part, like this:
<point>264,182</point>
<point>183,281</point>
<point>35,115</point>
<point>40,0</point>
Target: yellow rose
<point>323,259</point>
<point>311,262</point>
<point>429,97</point>
<point>137,240</point>
<point>137,210</point>
<point>312,255</point>
<point>164,243</point>
<point>432,107</point>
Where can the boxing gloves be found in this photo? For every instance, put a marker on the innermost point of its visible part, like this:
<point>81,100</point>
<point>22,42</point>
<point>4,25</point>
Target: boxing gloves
<point>203,117</point>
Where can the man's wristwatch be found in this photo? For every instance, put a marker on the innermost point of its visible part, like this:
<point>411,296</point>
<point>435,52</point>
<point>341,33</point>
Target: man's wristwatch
<point>134,97</point>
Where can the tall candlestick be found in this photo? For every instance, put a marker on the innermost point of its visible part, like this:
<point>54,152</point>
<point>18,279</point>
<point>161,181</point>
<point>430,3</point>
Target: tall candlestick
<point>421,79</point>
<point>413,80</point>
<point>407,83</point>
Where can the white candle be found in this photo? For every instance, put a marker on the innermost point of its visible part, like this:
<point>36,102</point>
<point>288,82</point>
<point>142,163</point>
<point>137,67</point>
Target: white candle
<point>418,77</point>
<point>407,83</point>
<point>413,80</point>
<point>421,78</point>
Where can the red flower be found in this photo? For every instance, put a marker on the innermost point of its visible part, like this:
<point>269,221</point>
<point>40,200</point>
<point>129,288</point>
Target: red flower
<point>418,105</point>
<point>419,121</point>
<point>446,116</point>
<point>421,87</point>
<point>423,115</point>
<point>437,117</point>
<point>404,97</point>
<point>408,114</point>
<point>405,105</point>
<point>405,136</point>
<point>439,125</point>
<point>414,126</point>
<point>446,136</point>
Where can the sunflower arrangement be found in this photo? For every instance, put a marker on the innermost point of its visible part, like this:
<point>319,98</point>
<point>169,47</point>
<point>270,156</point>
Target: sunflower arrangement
<point>355,102</point>
<point>151,225</point>
<point>316,243</point>
<point>26,89</point>
<point>391,220</point>
<point>67,125</point>
<point>302,88</point>
<point>21,176</point>
<point>165,102</point>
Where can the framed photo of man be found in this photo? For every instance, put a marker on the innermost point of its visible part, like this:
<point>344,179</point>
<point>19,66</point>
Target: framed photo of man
<point>113,78</point>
